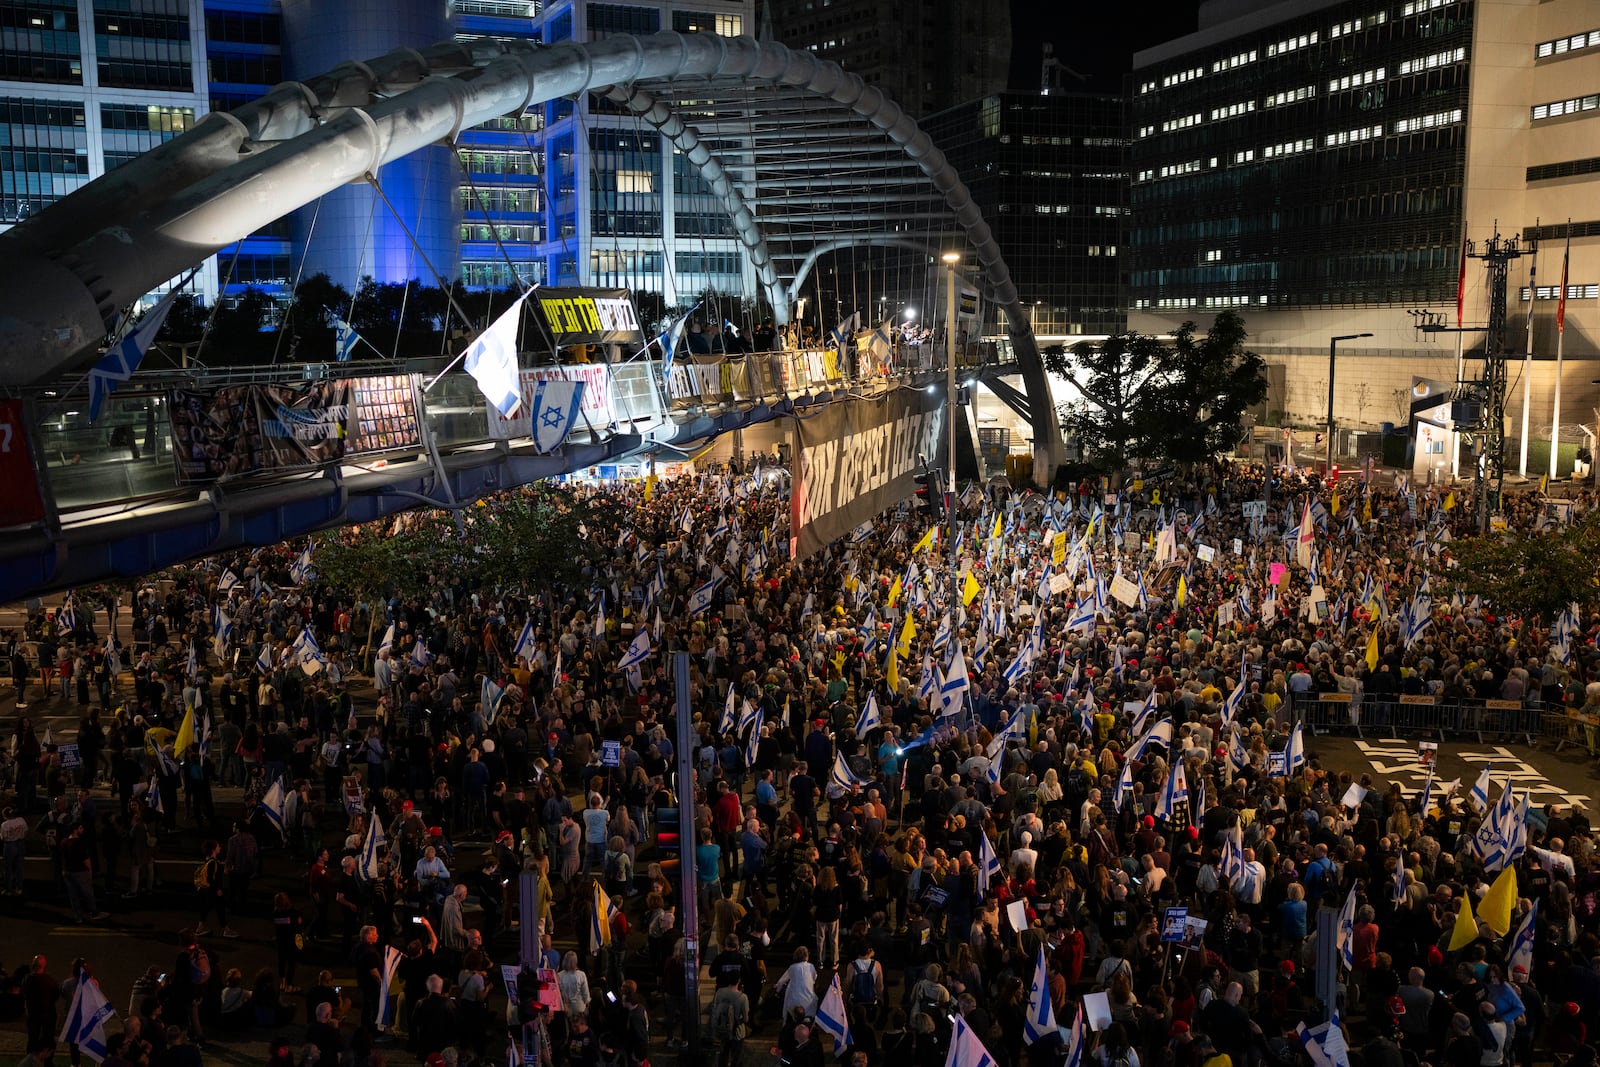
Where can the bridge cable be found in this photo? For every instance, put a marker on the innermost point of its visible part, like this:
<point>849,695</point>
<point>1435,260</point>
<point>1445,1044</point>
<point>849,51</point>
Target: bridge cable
<point>294,292</point>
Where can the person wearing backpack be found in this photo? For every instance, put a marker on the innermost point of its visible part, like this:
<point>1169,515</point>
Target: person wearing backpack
<point>730,1017</point>
<point>208,888</point>
<point>866,983</point>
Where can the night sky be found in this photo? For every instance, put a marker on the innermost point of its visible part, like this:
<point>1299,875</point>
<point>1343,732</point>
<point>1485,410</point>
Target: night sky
<point>1096,38</point>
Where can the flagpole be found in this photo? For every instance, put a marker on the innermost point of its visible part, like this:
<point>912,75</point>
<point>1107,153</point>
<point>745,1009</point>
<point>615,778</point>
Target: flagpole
<point>1461,298</point>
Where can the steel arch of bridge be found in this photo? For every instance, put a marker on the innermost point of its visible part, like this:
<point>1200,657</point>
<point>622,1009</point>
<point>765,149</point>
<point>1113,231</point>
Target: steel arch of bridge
<point>823,153</point>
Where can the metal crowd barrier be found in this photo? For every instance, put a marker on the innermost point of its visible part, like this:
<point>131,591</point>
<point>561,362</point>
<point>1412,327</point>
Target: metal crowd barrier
<point>1571,727</point>
<point>1423,717</point>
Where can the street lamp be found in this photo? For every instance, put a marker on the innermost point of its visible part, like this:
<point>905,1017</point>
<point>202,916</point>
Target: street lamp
<point>1333,344</point>
<point>950,261</point>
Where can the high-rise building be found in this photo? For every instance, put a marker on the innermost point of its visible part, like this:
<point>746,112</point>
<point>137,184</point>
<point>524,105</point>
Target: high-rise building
<point>927,55</point>
<point>1316,165</point>
<point>86,85</point>
<point>1050,174</point>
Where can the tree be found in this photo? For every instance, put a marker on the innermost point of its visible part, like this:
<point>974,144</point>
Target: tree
<point>539,536</point>
<point>1141,397</point>
<point>1530,574</point>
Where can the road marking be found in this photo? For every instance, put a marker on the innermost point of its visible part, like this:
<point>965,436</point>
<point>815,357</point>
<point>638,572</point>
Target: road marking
<point>1504,765</point>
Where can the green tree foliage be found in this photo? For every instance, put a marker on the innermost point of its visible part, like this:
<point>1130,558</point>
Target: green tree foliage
<point>1141,397</point>
<point>538,537</point>
<point>1530,574</point>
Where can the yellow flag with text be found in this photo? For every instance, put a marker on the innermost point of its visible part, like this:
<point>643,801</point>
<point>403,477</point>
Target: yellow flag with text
<point>927,539</point>
<point>908,633</point>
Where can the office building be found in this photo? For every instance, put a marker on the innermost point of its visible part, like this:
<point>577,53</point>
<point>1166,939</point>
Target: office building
<point>928,55</point>
<point>1050,174</point>
<point>1316,165</point>
<point>86,85</point>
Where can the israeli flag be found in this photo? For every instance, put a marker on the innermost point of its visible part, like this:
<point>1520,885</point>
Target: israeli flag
<point>1159,734</point>
<point>1296,750</point>
<point>86,1017</point>
<point>491,696</point>
<point>638,651</point>
<point>1173,793</point>
<point>1083,615</point>
<point>555,409</point>
<point>1075,1040</point>
<point>752,743</point>
<point>367,865</point>
<point>841,774</point>
<point>871,718</point>
<point>264,658</point>
<point>1041,1019</point>
<point>1018,668</point>
<point>729,716</point>
<point>1479,797</point>
<point>420,654</point>
<point>928,685</point>
<point>1146,712</point>
<point>700,599</point>
<point>492,360</point>
<point>300,571</point>
<point>988,863</point>
<point>965,1048</point>
<point>386,1001</point>
<point>152,797</point>
<point>1231,864</point>
<point>1344,933</point>
<point>1325,1043</point>
<point>228,582</point>
<point>954,687</point>
<point>345,340</point>
<point>387,644</point>
<point>1521,954</point>
<point>941,638</point>
<point>1238,755</point>
<point>124,357</point>
<point>832,1018</point>
<point>274,805</point>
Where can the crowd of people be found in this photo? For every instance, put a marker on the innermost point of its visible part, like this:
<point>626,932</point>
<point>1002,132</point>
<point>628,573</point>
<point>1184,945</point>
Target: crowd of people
<point>920,814</point>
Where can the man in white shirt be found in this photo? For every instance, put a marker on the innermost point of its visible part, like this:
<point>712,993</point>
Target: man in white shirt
<point>1249,883</point>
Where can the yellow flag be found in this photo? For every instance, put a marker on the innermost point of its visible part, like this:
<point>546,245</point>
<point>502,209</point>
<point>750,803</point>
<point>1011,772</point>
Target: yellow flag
<point>1450,500</point>
<point>892,675</point>
<point>1333,505</point>
<point>970,590</point>
<point>1544,482</point>
<point>185,740</point>
<point>999,525</point>
<point>1466,930</point>
<point>600,921</point>
<point>649,488</point>
<point>908,633</point>
<point>1495,907</point>
<point>927,539</point>
<point>1366,510</point>
<point>894,591</point>
<point>1183,591</point>
<point>1372,650</point>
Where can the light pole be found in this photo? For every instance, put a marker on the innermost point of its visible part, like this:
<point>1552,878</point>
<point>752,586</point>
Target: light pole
<point>950,261</point>
<point>1333,344</point>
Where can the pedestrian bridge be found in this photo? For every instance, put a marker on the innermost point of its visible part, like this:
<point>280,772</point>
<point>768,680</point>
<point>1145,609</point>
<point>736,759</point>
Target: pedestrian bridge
<point>808,160</point>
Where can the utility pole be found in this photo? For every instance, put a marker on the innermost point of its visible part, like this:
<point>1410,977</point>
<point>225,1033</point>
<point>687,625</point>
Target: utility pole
<point>950,261</point>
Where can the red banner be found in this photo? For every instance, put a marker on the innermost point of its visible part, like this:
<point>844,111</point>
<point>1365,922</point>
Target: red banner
<point>21,504</point>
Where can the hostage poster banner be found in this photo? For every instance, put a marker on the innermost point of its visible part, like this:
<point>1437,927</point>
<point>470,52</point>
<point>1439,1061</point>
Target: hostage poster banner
<point>221,434</point>
<point>855,461</point>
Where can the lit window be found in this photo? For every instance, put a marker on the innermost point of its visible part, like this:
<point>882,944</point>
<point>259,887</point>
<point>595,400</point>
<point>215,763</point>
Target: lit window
<point>1438,59</point>
<point>1428,122</point>
<point>636,181</point>
<point>1572,43</point>
<point>1565,107</point>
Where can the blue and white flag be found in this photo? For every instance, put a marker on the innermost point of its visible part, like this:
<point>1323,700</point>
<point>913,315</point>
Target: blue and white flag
<point>228,581</point>
<point>638,651</point>
<point>345,340</point>
<point>1173,792</point>
<point>1159,734</point>
<point>221,628</point>
<point>124,357</point>
<point>491,696</point>
<point>386,1000</point>
<point>833,1019</point>
<point>1296,751</point>
<point>668,340</point>
<point>965,1048</point>
<point>491,359</point>
<point>307,654</point>
<point>871,718</point>
<point>274,805</point>
<point>556,406</point>
<point>1040,1022</point>
<point>1325,1043</point>
<point>841,775</point>
<point>86,1018</point>
<point>152,797</point>
<point>1230,866</point>
<point>700,599</point>
<point>1344,933</point>
<point>525,647</point>
<point>387,644</point>
<point>301,571</point>
<point>955,684</point>
<point>367,863</point>
<point>752,743</point>
<point>1521,953</point>
<point>1074,1037</point>
<point>1479,797</point>
<point>1146,712</point>
<point>420,655</point>
<point>988,863</point>
<point>264,658</point>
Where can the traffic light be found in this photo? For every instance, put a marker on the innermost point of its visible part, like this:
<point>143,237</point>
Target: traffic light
<point>930,495</point>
